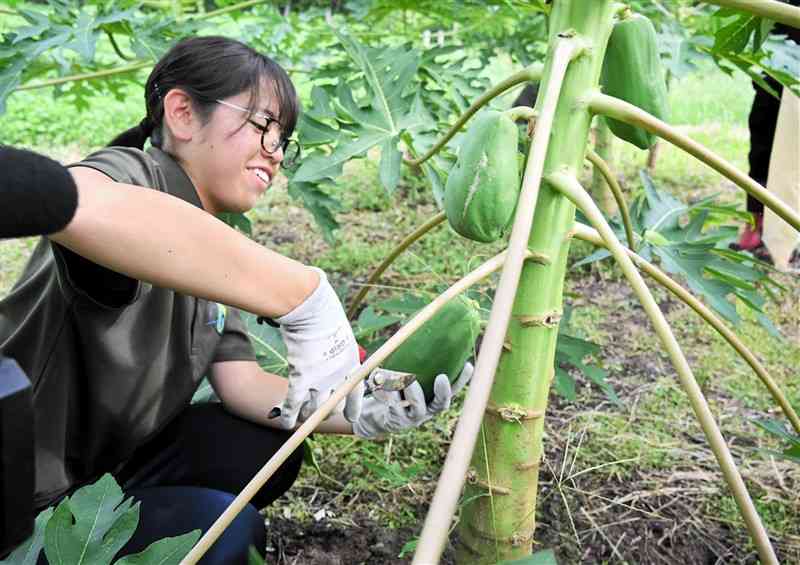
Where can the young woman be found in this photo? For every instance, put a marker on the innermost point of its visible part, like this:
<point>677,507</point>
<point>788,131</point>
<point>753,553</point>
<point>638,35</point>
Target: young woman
<point>107,323</point>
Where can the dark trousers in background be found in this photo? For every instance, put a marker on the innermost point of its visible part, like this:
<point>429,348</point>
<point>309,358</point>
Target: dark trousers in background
<point>187,475</point>
<point>761,122</point>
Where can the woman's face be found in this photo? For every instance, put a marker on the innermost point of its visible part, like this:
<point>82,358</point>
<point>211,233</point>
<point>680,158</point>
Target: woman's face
<point>225,159</point>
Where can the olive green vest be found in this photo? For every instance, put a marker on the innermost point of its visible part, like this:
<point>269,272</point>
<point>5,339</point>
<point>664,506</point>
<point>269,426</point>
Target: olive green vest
<point>112,360</point>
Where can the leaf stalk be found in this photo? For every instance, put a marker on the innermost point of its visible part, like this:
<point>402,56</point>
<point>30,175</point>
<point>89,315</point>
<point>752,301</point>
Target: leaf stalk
<point>395,253</point>
<point>534,72</point>
<point>588,234</point>
<point>769,9</point>
<point>569,186</point>
<point>600,164</point>
<point>621,110</point>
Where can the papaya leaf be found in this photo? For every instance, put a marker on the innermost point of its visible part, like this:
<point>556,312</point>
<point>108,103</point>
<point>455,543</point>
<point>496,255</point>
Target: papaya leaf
<point>321,205</point>
<point>377,120</point>
<point>405,304</point>
<point>312,132</point>
<point>91,526</point>
<point>564,384</point>
<point>390,164</point>
<point>204,393</point>
<point>28,552</point>
<point>791,447</point>
<point>85,36</point>
<point>167,551</point>
<point>39,23</point>
<point>370,322</point>
<point>268,345</point>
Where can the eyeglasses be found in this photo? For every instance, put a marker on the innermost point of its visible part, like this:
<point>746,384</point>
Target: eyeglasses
<point>271,135</point>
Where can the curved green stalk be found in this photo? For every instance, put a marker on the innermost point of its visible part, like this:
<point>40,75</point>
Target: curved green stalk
<point>769,9</point>
<point>85,76</point>
<point>448,489</point>
<point>116,48</point>
<point>302,432</point>
<point>616,190</point>
<point>226,10</point>
<point>568,185</point>
<point>628,113</point>
<point>395,253</point>
<point>588,234</point>
<point>534,72</point>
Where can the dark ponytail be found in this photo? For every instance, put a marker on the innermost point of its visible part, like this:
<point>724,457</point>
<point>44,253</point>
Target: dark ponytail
<point>136,136</point>
<point>208,69</point>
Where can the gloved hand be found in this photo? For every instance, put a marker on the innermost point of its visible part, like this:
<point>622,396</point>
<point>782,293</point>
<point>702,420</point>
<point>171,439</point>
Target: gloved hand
<point>386,412</point>
<point>322,352</point>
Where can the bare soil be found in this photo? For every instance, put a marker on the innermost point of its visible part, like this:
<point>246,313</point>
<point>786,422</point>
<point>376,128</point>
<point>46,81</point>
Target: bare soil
<point>646,516</point>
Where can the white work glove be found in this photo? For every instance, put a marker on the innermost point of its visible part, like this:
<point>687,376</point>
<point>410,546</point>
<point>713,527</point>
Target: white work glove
<point>322,352</point>
<point>386,412</point>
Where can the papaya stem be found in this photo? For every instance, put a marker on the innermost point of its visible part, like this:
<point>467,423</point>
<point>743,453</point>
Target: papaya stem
<point>769,9</point>
<point>628,113</point>
<point>616,190</point>
<point>445,499</point>
<point>116,48</point>
<point>402,246</point>
<point>226,10</point>
<point>86,76</point>
<point>534,72</point>
<point>301,433</point>
<point>569,186</point>
<point>588,234</point>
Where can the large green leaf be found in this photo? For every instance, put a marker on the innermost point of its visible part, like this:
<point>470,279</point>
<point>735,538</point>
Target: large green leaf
<point>268,344</point>
<point>168,551</point>
<point>377,120</point>
<point>91,526</point>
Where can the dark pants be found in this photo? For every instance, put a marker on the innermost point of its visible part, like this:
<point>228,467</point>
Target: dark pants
<point>188,474</point>
<point>762,121</point>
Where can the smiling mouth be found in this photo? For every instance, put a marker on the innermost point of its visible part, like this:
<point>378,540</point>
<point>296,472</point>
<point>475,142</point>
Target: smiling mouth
<point>263,175</point>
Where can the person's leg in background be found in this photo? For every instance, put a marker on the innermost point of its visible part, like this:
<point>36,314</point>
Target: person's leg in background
<point>761,122</point>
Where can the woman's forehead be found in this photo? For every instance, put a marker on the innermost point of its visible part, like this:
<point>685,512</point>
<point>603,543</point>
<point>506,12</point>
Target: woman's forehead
<point>266,103</point>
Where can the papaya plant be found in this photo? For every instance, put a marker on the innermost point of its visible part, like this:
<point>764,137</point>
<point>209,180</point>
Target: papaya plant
<point>497,444</point>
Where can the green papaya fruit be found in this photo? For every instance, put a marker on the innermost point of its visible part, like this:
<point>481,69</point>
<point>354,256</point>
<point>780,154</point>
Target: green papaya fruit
<point>441,346</point>
<point>632,71</point>
<point>483,187</point>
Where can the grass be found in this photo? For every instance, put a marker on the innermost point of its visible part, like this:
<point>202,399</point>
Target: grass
<point>628,465</point>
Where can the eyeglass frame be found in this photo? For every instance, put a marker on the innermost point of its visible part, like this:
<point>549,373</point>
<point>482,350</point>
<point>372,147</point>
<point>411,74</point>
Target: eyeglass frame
<point>283,143</point>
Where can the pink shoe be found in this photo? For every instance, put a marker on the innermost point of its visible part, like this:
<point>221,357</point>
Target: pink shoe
<point>751,236</point>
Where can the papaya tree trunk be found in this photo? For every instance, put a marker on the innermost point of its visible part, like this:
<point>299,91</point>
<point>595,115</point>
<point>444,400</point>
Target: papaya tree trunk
<point>499,503</point>
<point>604,147</point>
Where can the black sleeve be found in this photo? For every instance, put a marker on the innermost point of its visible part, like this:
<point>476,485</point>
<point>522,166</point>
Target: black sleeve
<point>37,194</point>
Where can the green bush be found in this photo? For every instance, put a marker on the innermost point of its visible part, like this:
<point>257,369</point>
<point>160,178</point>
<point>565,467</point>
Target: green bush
<point>36,118</point>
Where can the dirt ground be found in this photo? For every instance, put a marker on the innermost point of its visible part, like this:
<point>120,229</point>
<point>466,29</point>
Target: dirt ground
<point>645,517</point>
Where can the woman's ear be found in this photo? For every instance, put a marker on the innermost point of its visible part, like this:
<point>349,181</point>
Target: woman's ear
<point>179,115</point>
